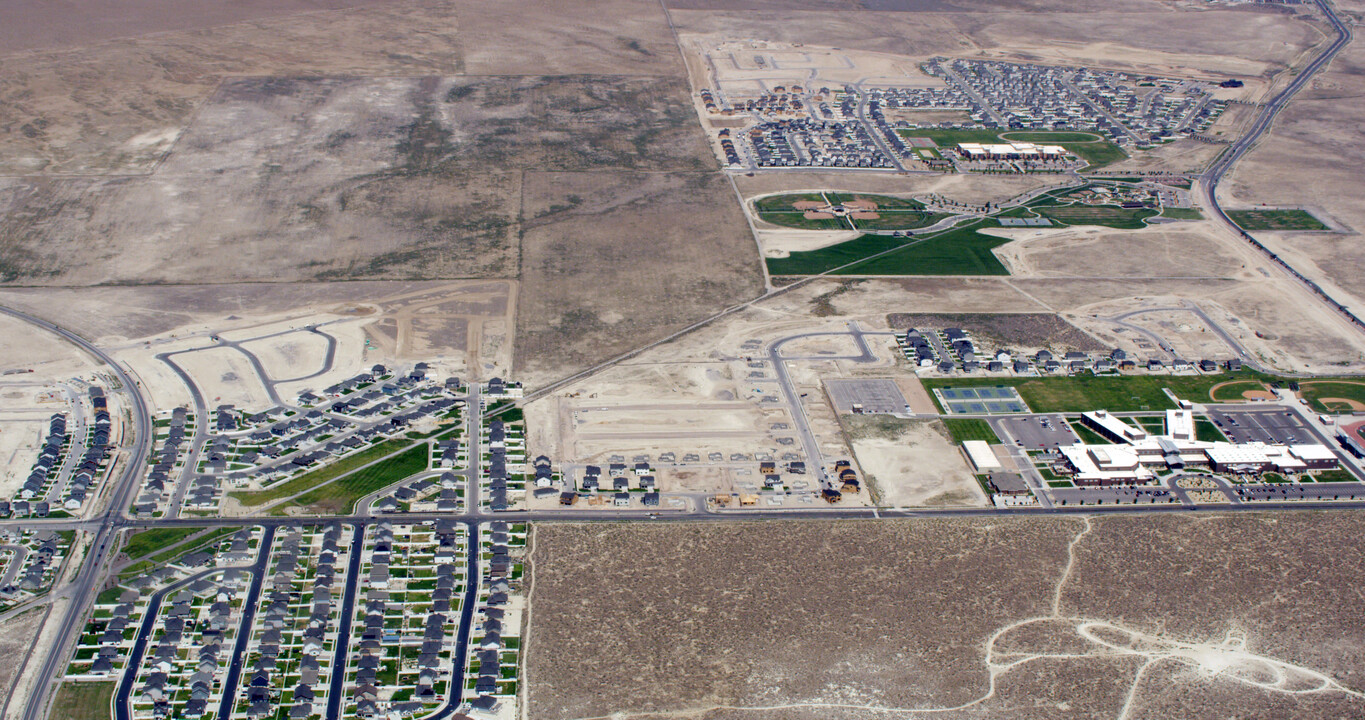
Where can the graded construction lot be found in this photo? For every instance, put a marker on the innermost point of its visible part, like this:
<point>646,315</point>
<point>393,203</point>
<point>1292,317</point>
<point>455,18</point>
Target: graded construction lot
<point>612,260</point>
<point>910,462</point>
<point>1040,618</point>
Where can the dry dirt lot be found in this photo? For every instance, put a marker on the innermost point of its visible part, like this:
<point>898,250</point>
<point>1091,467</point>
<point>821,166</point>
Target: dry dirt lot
<point>857,619</point>
<point>613,260</point>
<point>911,462</point>
<point>1160,251</point>
<point>283,179</point>
<point>1311,158</point>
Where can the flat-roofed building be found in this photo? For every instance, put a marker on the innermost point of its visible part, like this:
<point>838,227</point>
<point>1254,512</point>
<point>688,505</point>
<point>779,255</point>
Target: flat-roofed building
<point>980,454</point>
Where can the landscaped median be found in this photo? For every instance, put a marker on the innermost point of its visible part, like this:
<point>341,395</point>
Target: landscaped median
<point>312,479</point>
<point>339,496</point>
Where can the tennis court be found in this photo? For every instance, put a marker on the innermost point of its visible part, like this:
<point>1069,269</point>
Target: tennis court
<point>980,400</point>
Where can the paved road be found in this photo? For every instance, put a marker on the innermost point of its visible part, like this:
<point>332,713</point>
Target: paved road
<point>197,438</point>
<point>871,129</point>
<point>1221,166</point>
<point>253,600</point>
<point>82,589</point>
<point>337,685</point>
<point>15,564</point>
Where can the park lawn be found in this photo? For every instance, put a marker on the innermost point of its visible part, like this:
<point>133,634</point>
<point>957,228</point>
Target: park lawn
<point>1117,393</point>
<point>1315,390</point>
<point>1233,391</point>
<point>321,475</point>
<point>964,429</point>
<point>1050,137</point>
<point>149,541</point>
<point>1290,219</point>
<point>900,220</point>
<point>339,496</point>
<point>960,251</point>
<point>951,137</point>
<point>1097,154</point>
<point>884,202</point>
<point>83,701</point>
<point>1105,215</point>
<point>814,262</point>
<point>799,221</point>
<point>1084,145</point>
<point>1182,213</point>
<point>786,202</point>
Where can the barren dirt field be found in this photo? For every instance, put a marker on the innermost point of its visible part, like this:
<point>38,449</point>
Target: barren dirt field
<point>1150,252</point>
<point>1310,159</point>
<point>911,462</point>
<point>1001,617</point>
<point>612,260</point>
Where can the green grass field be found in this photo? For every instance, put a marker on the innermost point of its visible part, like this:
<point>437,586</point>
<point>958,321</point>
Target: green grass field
<point>1233,391</point>
<point>964,429</point>
<point>1051,137</point>
<point>799,221</point>
<point>960,251</point>
<point>1105,215</point>
<point>884,202</point>
<point>1315,390</point>
<point>787,203</point>
<point>1333,475</point>
<point>1206,431</point>
<point>1081,393</point>
<point>321,475</point>
<point>813,262</point>
<point>150,541</point>
<point>1182,213</point>
<point>1276,220</point>
<point>900,220</point>
<point>1095,151</point>
<point>83,701</point>
<point>339,496</point>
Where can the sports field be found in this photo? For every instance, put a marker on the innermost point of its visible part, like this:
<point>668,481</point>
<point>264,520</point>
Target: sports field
<point>1276,220</point>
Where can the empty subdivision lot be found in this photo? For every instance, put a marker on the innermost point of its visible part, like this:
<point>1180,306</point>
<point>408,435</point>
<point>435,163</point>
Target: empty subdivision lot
<point>723,620</point>
<point>611,260</point>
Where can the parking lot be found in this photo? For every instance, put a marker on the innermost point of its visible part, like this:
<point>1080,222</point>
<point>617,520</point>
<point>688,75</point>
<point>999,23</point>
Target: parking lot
<point>1111,495</point>
<point>980,400</point>
<point>1036,432</point>
<point>1268,426</point>
<point>877,395</point>
<point>1304,491</point>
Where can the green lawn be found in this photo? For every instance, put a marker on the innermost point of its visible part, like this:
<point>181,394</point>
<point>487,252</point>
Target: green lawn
<point>1105,215</point>
<point>964,429</point>
<point>884,202</point>
<point>786,202</point>
<point>799,221</point>
<point>1050,137</point>
<point>814,262</point>
<point>1334,475</point>
<point>1095,152</point>
<point>1182,213</point>
<point>339,496</point>
<point>1315,390</point>
<point>321,475</point>
<point>1088,436</point>
<point>960,251</point>
<point>1206,431</point>
<point>1276,220</point>
<point>83,701</point>
<point>900,220</point>
<point>149,541</point>
<point>1089,392</point>
<point>1233,391</point>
